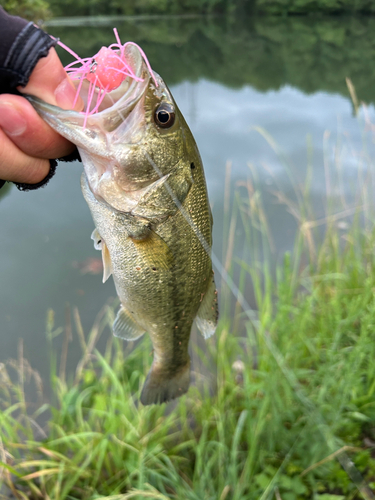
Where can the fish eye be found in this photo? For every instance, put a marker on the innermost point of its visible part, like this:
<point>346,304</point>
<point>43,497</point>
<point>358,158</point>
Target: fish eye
<point>164,115</point>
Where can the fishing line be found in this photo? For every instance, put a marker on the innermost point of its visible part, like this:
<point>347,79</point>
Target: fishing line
<point>312,410</point>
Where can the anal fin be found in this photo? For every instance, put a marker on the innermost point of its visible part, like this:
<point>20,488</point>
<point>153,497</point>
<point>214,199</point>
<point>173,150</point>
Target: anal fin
<point>208,312</point>
<point>125,327</point>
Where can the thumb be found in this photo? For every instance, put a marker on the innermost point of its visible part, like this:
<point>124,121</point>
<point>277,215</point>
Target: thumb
<point>49,82</point>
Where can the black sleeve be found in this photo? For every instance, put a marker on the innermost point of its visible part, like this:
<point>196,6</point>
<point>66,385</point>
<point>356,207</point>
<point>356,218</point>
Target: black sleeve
<point>22,44</point>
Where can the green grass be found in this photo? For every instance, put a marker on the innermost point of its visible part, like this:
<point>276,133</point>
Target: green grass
<point>283,404</point>
<point>274,428</point>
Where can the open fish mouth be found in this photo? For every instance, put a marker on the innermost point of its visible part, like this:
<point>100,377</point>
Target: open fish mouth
<point>106,131</point>
<point>102,112</point>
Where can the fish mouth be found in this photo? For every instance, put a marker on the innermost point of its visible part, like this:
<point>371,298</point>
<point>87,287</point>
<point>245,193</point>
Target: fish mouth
<point>112,108</point>
<point>98,119</point>
<point>103,137</point>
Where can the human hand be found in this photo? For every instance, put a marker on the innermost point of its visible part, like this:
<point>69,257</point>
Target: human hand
<point>26,141</point>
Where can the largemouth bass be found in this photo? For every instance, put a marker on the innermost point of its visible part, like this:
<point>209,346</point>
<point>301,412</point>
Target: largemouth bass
<point>144,183</point>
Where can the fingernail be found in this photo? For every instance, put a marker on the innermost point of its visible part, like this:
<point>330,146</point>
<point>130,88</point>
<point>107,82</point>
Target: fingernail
<point>11,120</point>
<point>65,94</point>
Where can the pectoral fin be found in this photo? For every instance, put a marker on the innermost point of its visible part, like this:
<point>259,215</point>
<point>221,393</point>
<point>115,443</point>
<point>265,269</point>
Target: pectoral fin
<point>208,312</point>
<point>107,264</point>
<point>155,251</point>
<point>97,239</point>
<point>99,244</point>
<point>125,327</point>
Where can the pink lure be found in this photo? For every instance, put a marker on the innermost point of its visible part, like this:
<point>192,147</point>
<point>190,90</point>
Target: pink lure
<point>107,68</point>
<point>105,72</point>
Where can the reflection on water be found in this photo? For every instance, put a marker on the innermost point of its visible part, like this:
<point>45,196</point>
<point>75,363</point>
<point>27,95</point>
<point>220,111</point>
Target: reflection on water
<point>266,53</point>
<point>228,79</point>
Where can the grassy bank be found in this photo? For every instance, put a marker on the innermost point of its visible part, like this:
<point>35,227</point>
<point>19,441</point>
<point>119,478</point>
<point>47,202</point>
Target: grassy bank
<point>282,405</point>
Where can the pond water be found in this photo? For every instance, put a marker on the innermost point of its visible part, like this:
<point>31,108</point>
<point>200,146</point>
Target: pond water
<point>232,79</point>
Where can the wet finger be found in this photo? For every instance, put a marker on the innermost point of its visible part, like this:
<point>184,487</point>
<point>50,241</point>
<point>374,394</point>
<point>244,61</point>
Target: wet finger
<point>17,166</point>
<point>28,131</point>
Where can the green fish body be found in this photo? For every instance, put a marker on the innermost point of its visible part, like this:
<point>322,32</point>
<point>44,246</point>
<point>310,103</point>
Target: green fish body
<point>145,187</point>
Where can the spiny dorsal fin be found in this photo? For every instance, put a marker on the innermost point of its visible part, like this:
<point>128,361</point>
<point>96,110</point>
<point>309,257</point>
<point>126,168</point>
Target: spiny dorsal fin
<point>208,312</point>
<point>125,327</point>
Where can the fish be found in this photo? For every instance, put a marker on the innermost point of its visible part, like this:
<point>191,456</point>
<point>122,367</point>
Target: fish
<point>144,183</point>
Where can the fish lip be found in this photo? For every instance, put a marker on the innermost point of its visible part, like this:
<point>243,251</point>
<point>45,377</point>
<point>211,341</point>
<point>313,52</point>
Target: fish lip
<point>119,108</point>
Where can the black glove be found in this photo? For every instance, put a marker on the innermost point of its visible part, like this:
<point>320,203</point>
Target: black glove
<point>22,45</point>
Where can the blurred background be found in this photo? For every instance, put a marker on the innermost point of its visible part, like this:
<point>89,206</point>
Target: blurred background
<point>272,102</point>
